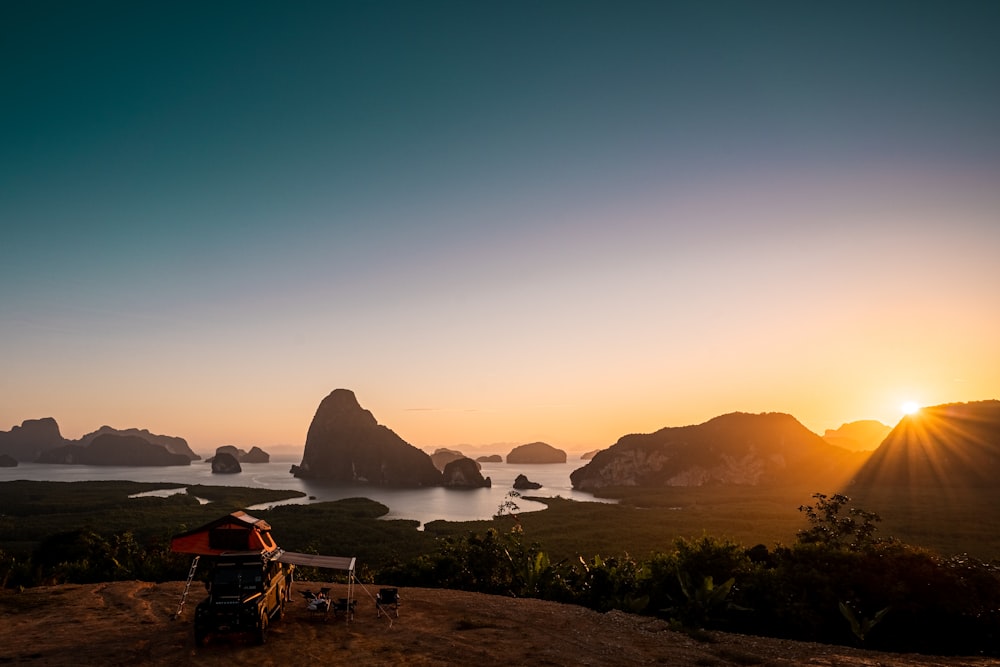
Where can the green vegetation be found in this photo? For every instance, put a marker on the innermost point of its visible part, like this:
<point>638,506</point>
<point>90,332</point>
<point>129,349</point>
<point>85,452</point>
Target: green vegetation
<point>679,554</point>
<point>949,520</point>
<point>33,511</point>
<point>838,583</point>
<point>651,521</point>
<point>350,527</point>
<point>52,532</point>
<point>854,532</point>
<point>955,522</point>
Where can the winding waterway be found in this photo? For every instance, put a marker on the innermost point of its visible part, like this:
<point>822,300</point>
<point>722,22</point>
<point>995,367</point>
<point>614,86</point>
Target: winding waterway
<point>423,505</point>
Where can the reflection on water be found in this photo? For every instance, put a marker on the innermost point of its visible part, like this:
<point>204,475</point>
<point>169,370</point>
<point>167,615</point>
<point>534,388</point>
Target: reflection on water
<point>164,493</point>
<point>422,505</point>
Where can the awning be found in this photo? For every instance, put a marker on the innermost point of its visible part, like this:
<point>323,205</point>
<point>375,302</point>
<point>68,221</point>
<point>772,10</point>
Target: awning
<point>314,560</point>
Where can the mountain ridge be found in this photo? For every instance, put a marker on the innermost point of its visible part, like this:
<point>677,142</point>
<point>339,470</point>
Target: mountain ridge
<point>735,448</point>
<point>951,444</point>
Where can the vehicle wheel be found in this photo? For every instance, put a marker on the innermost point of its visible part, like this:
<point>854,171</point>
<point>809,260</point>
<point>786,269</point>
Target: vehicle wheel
<point>262,630</point>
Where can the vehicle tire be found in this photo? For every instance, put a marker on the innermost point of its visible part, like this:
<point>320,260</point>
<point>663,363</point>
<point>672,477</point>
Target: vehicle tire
<point>262,629</point>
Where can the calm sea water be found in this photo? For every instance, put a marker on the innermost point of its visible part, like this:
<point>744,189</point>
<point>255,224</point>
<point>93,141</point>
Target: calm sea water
<point>422,505</point>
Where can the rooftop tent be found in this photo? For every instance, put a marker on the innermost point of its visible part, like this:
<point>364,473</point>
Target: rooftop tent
<point>234,532</point>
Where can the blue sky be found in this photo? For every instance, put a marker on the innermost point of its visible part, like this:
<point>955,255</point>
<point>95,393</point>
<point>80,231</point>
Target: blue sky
<point>496,222</point>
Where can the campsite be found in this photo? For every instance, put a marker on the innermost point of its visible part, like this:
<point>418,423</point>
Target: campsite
<point>134,623</point>
<point>250,577</point>
<point>107,578</point>
<point>129,623</point>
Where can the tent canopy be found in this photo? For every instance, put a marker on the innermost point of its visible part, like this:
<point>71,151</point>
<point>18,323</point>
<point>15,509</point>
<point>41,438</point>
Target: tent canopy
<point>234,532</point>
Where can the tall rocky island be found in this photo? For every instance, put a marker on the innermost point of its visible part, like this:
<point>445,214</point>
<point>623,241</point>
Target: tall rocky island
<point>346,444</point>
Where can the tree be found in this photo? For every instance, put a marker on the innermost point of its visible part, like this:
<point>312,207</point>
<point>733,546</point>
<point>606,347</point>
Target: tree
<point>855,532</point>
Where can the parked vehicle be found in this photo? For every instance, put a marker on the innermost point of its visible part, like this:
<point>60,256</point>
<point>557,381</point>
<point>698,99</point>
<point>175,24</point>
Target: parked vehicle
<point>251,577</point>
<point>246,591</point>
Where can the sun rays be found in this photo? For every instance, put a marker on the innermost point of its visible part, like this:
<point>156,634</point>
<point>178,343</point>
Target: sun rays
<point>941,446</point>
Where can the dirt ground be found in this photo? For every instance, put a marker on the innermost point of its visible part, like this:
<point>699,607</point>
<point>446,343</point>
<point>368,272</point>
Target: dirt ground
<point>130,623</point>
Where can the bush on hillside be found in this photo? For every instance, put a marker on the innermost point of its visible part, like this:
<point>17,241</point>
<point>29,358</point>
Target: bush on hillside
<point>838,584</point>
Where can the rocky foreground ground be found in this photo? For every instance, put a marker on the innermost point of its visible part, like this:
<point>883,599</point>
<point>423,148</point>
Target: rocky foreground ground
<point>130,623</point>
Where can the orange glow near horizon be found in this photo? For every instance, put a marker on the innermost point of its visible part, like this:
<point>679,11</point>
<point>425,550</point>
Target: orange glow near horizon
<point>580,422</point>
<point>937,444</point>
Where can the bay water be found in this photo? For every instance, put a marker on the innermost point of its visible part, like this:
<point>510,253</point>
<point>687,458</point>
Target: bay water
<point>422,505</point>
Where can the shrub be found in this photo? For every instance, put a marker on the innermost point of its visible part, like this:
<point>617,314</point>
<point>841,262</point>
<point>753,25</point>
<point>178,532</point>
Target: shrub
<point>828,526</point>
<point>696,584</point>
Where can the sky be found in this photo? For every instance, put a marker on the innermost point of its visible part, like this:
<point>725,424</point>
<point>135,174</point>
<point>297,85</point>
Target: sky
<point>495,222</point>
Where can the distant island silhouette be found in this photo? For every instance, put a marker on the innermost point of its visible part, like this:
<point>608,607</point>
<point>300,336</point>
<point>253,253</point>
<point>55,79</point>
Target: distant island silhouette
<point>948,444</point>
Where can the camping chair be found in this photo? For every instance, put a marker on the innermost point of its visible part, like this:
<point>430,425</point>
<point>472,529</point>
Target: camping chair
<point>318,603</point>
<point>387,598</point>
<point>344,606</point>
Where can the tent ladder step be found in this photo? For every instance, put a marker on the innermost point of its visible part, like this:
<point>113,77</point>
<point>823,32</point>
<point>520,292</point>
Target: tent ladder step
<point>187,587</point>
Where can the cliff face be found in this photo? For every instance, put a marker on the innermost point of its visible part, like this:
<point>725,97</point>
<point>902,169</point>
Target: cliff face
<point>27,441</point>
<point>224,463</point>
<point>955,444</point>
<point>115,450</point>
<point>738,448</point>
<point>346,444</point>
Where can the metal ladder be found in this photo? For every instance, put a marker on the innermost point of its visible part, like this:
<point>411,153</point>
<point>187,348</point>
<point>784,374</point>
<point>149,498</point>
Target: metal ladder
<point>187,587</point>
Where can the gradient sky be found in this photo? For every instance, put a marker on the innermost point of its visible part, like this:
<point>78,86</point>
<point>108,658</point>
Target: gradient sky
<point>495,221</point>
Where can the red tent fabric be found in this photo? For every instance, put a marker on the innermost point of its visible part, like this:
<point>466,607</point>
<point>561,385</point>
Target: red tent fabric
<point>234,532</point>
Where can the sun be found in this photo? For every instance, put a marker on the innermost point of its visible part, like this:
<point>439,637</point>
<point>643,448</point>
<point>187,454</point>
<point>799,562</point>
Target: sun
<point>910,408</point>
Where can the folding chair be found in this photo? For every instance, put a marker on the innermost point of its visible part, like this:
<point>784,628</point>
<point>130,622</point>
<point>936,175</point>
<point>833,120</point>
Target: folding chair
<point>344,606</point>
<point>386,600</point>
